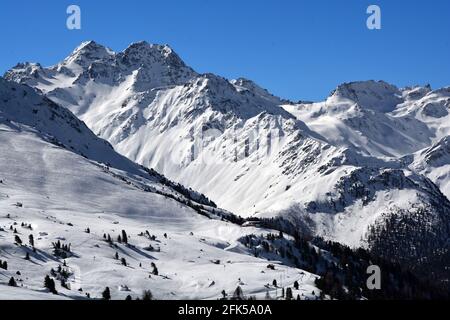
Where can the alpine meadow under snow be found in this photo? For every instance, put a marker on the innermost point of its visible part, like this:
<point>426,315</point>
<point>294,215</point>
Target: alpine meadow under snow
<point>367,168</point>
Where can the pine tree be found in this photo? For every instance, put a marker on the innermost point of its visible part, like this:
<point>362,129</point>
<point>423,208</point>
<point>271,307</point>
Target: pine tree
<point>106,295</point>
<point>116,256</point>
<point>296,285</point>
<point>238,294</point>
<point>12,282</point>
<point>18,240</point>
<point>147,295</point>
<point>224,295</point>
<point>124,237</point>
<point>289,295</point>
<point>119,239</point>
<point>128,298</point>
<point>274,283</point>
<point>27,256</point>
<point>31,240</point>
<point>49,283</point>
<point>155,271</point>
<point>124,261</point>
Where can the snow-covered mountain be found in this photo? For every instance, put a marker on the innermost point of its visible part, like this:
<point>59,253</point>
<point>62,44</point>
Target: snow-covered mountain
<point>337,168</point>
<point>81,216</point>
<point>59,182</point>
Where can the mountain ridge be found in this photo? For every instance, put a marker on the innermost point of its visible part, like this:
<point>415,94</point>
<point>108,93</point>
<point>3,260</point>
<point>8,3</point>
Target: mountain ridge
<point>337,166</point>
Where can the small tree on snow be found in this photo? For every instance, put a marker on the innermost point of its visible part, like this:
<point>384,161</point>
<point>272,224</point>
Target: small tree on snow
<point>289,295</point>
<point>147,295</point>
<point>18,240</point>
<point>238,294</point>
<point>31,240</point>
<point>106,294</point>
<point>49,283</point>
<point>124,237</point>
<point>12,282</point>
<point>224,295</point>
<point>155,269</point>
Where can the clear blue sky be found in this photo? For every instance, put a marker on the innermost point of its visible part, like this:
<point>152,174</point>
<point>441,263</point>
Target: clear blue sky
<point>297,49</point>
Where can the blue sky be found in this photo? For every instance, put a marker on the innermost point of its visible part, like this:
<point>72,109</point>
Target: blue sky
<point>296,49</point>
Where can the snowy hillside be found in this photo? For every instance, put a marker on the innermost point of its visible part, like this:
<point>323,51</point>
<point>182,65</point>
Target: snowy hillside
<point>82,217</point>
<point>335,169</point>
<point>52,192</point>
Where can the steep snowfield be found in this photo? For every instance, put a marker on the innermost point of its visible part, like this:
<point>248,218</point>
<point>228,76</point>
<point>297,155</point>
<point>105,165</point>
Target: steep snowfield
<point>434,162</point>
<point>332,167</point>
<point>47,183</point>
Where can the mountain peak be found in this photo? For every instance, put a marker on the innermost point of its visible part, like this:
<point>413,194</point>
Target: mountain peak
<point>375,95</point>
<point>144,48</point>
<point>88,52</point>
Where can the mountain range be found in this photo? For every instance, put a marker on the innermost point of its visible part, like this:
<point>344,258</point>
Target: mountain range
<point>369,167</point>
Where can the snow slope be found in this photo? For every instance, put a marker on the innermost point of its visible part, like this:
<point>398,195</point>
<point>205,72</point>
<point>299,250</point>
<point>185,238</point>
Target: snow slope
<point>54,184</point>
<point>334,168</point>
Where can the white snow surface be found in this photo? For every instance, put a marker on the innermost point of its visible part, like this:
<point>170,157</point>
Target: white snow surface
<point>53,177</point>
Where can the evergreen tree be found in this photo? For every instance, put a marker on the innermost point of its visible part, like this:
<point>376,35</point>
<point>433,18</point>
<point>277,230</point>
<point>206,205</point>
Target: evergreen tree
<point>155,269</point>
<point>238,294</point>
<point>106,295</point>
<point>124,237</point>
<point>147,295</point>
<point>224,295</point>
<point>12,282</point>
<point>116,256</point>
<point>289,295</point>
<point>49,283</point>
<point>31,240</point>
<point>27,256</point>
<point>18,240</point>
<point>128,298</point>
<point>296,285</point>
<point>124,261</point>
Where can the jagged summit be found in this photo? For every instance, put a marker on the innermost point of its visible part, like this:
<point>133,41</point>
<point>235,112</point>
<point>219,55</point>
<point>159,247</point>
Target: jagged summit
<point>87,53</point>
<point>376,95</point>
